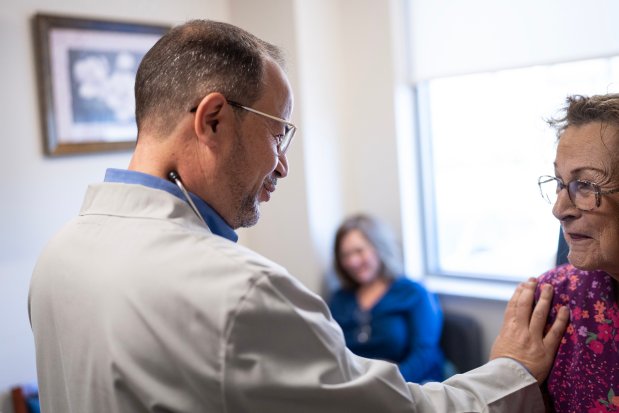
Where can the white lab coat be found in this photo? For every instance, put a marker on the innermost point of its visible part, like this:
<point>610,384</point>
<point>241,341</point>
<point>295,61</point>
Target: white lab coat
<point>137,307</point>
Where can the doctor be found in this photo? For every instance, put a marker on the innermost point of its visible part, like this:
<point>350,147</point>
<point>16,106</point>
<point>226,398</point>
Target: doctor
<point>145,303</point>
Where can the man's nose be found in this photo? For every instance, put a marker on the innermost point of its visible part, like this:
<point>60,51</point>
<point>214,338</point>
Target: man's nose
<point>282,166</point>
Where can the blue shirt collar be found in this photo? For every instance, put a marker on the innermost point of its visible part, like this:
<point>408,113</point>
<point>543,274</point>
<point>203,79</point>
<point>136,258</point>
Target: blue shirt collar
<point>214,221</point>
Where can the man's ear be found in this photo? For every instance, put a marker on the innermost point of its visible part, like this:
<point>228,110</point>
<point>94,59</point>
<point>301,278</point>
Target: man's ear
<point>208,117</point>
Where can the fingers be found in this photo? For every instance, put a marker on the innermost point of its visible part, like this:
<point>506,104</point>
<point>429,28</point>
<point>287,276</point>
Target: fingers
<point>522,334</point>
<point>512,305</point>
<point>524,304</point>
<point>554,335</point>
<point>540,313</point>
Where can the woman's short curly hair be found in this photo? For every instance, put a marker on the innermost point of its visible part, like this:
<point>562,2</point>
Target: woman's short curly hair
<point>580,110</point>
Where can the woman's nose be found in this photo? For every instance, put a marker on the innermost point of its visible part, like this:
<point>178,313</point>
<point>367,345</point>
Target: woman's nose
<point>564,208</point>
<point>353,260</point>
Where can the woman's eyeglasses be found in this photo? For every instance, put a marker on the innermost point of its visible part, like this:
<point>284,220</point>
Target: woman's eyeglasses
<point>585,195</point>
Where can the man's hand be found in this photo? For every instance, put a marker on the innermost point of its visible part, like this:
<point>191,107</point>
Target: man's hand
<point>522,334</point>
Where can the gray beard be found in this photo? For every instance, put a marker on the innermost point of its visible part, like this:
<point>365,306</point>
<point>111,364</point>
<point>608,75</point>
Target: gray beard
<point>248,212</point>
<point>247,208</point>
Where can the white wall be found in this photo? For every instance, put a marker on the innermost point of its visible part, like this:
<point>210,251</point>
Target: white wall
<point>39,194</point>
<point>457,37</point>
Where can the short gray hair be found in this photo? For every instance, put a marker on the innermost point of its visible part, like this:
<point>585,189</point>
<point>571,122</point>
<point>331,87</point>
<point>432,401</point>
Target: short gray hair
<point>193,60</point>
<point>580,110</point>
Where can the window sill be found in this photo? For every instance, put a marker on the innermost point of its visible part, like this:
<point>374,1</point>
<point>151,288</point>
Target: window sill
<point>470,287</point>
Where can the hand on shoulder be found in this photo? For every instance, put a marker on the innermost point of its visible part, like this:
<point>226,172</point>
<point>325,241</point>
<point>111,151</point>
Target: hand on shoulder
<point>522,334</point>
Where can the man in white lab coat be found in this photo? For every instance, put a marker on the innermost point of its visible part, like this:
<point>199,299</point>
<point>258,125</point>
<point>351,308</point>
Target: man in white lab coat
<point>145,303</point>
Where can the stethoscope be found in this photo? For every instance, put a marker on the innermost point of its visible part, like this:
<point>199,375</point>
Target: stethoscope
<point>175,177</point>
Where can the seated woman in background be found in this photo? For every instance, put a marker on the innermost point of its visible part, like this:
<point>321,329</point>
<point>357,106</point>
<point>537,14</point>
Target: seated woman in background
<point>585,194</point>
<point>383,314</point>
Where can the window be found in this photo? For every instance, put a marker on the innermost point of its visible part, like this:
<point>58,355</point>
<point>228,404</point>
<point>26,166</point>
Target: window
<point>483,144</point>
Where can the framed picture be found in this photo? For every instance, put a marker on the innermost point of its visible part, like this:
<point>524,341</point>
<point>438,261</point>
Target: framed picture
<point>86,74</point>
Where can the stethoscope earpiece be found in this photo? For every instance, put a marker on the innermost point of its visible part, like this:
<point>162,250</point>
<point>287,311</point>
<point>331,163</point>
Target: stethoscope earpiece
<point>175,177</point>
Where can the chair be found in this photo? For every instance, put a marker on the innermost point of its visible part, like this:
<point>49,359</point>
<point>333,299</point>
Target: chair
<point>461,341</point>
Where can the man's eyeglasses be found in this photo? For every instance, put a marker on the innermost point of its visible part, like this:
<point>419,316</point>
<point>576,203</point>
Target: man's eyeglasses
<point>585,195</point>
<point>283,140</point>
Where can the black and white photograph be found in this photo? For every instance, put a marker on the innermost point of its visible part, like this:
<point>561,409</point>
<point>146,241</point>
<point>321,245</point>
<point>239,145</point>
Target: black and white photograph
<point>87,71</point>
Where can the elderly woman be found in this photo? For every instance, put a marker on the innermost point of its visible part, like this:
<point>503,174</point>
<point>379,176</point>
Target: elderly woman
<point>383,314</point>
<point>585,193</point>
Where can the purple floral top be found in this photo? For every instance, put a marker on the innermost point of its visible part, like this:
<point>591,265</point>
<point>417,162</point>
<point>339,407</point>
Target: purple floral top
<point>585,375</point>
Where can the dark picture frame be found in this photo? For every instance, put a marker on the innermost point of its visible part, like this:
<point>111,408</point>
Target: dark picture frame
<point>86,72</point>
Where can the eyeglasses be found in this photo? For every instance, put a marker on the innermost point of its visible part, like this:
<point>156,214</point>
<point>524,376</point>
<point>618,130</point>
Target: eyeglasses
<point>585,195</point>
<point>283,140</point>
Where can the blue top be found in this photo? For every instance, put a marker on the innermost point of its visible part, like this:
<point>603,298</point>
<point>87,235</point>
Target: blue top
<point>403,327</point>
<point>215,222</point>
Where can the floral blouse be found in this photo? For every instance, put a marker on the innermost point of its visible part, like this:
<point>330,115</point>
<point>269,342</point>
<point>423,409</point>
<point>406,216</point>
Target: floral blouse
<point>585,375</point>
